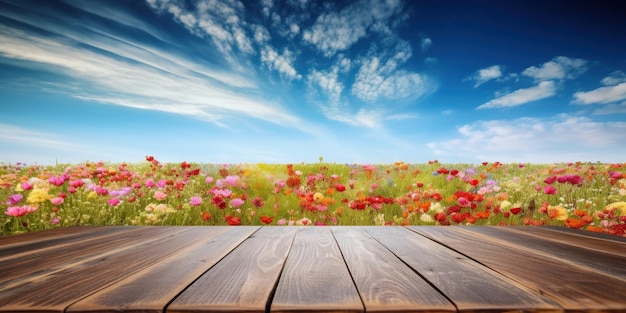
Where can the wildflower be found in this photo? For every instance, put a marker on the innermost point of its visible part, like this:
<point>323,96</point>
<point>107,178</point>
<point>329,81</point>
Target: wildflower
<point>549,190</point>
<point>340,187</point>
<point>304,221</point>
<point>266,219</point>
<point>20,210</point>
<point>161,183</point>
<point>38,196</point>
<point>57,200</point>
<point>113,201</point>
<point>160,195</point>
<point>55,220</point>
<point>208,180</point>
<point>26,186</point>
<point>318,196</point>
<point>206,216</point>
<point>557,212</point>
<point>149,183</point>
<point>281,221</point>
<point>617,206</point>
<point>463,202</point>
<point>258,202</point>
<point>232,220</point>
<point>232,180</point>
<point>14,199</point>
<point>236,202</point>
<point>195,201</point>
<point>426,218</point>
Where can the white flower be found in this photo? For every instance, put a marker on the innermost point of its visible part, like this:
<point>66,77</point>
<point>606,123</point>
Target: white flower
<point>426,218</point>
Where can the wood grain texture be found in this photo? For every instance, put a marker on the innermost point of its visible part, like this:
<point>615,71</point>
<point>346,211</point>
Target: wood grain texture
<point>244,280</point>
<point>384,283</point>
<point>608,264</point>
<point>572,287</point>
<point>150,290</point>
<point>23,267</point>
<point>610,245</point>
<point>315,277</point>
<point>578,233</point>
<point>469,285</point>
<point>56,290</point>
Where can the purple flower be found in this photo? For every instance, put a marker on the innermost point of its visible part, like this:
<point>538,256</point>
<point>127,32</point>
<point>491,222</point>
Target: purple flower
<point>14,199</point>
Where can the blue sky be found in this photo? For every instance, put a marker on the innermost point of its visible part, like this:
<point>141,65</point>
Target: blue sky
<point>289,81</point>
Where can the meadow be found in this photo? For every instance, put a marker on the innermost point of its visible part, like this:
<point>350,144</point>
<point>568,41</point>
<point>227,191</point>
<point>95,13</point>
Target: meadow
<point>588,196</point>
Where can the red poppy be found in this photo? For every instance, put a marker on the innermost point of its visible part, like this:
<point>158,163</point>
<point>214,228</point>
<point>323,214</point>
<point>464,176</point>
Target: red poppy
<point>340,187</point>
<point>258,202</point>
<point>266,219</point>
<point>232,220</point>
<point>516,210</point>
<point>206,216</point>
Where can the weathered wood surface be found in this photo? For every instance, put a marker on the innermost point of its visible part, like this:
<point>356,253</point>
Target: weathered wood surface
<point>288,269</point>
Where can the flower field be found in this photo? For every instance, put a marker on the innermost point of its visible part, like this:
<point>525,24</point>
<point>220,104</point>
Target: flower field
<point>589,196</point>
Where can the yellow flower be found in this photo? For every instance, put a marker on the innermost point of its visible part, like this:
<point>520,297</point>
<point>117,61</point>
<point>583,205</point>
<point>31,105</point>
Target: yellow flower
<point>318,196</point>
<point>92,195</point>
<point>560,213</point>
<point>617,206</point>
<point>38,196</point>
<point>18,188</point>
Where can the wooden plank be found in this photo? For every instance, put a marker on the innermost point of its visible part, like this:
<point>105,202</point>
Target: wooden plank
<point>574,288</point>
<point>21,268</point>
<point>384,283</point>
<point>575,257</point>
<point>55,291</point>
<point>578,233</point>
<point>579,239</point>
<point>244,280</point>
<point>315,277</point>
<point>469,285</point>
<point>7,241</point>
<point>149,290</point>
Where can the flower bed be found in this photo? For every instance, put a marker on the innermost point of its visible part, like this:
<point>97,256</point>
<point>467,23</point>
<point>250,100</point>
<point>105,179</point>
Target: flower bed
<point>589,196</point>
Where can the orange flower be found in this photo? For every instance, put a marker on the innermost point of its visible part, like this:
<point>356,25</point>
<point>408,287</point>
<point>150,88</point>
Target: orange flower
<point>482,214</point>
<point>206,216</point>
<point>574,223</point>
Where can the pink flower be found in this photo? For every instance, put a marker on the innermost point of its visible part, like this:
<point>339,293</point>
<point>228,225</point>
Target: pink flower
<point>113,201</point>
<point>549,190</point>
<point>160,195</point>
<point>77,183</point>
<point>20,210</point>
<point>14,199</point>
<point>71,190</point>
<point>236,202</point>
<point>550,180</point>
<point>232,180</point>
<point>101,191</point>
<point>57,200</point>
<point>149,183</point>
<point>281,221</point>
<point>161,183</point>
<point>55,221</point>
<point>464,202</point>
<point>27,186</point>
<point>209,179</point>
<point>195,201</point>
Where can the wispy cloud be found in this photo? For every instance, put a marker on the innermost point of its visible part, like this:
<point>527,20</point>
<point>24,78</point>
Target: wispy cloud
<point>557,69</point>
<point>283,63</point>
<point>518,97</point>
<point>614,78</point>
<point>540,140</point>
<point>426,43</point>
<point>486,74</point>
<point>24,136</point>
<point>601,95</point>
<point>338,31</point>
<point>114,69</point>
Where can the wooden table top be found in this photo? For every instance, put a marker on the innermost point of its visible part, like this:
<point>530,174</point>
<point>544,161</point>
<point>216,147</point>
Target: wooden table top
<point>288,269</point>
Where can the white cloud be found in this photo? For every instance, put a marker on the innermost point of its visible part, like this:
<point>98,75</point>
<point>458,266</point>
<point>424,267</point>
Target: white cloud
<point>282,63</point>
<point>601,95</point>
<point>379,76</point>
<point>484,75</point>
<point>558,139</point>
<point>23,136</point>
<point>425,44</point>
<point>338,31</point>
<point>614,78</point>
<point>611,109</point>
<point>328,82</point>
<point>559,68</point>
<point>138,75</point>
<point>267,7</point>
<point>543,90</point>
